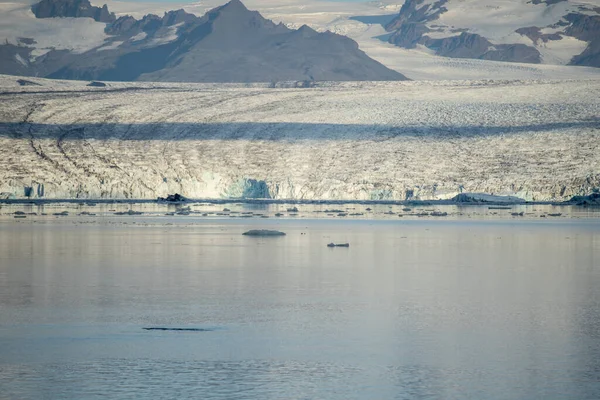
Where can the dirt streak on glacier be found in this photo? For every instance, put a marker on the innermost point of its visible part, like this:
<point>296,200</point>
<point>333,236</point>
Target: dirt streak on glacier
<point>374,141</point>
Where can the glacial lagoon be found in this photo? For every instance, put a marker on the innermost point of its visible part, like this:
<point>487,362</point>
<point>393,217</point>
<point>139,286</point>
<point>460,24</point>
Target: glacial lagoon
<point>477,304</point>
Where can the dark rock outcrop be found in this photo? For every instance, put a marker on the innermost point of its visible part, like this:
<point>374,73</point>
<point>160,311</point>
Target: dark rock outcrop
<point>548,2</point>
<point>465,45</point>
<point>411,13</point>
<point>72,8</point>
<point>96,84</point>
<point>586,28</point>
<point>409,35</point>
<point>590,200</point>
<point>25,82</point>
<point>173,198</point>
<point>485,198</point>
<point>14,60</point>
<point>534,33</point>
<point>127,26</point>
<point>513,53</point>
<point>179,329</point>
<point>124,25</point>
<point>178,16</point>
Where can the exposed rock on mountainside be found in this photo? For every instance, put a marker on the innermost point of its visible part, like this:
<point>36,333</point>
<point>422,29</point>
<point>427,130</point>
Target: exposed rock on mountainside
<point>553,31</point>
<point>25,82</point>
<point>96,84</point>
<point>469,45</point>
<point>417,12</point>
<point>72,8</point>
<point>228,44</point>
<point>127,26</point>
<point>586,28</point>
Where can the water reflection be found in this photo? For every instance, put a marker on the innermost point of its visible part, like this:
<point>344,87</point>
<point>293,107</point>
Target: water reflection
<point>413,309</point>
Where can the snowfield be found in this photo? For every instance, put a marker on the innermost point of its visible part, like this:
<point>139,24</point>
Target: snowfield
<point>75,34</point>
<point>422,64</point>
<point>538,140</point>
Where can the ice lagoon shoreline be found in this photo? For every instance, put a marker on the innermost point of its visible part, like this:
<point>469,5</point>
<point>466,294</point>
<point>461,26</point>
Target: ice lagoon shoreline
<point>288,202</point>
<point>261,213</point>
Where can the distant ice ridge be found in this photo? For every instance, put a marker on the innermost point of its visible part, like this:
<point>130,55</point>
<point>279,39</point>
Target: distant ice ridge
<point>536,140</point>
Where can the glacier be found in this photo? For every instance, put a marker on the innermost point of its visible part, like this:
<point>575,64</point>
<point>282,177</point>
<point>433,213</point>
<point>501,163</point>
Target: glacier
<point>417,140</point>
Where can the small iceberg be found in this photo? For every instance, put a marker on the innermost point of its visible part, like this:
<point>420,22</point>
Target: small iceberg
<point>439,214</point>
<point>172,198</point>
<point>162,328</point>
<point>485,198</point>
<point>130,212</point>
<point>263,232</point>
<point>590,200</point>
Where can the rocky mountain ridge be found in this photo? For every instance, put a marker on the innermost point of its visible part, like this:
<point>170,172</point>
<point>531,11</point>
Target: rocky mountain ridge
<point>553,31</point>
<point>72,9</point>
<point>228,44</point>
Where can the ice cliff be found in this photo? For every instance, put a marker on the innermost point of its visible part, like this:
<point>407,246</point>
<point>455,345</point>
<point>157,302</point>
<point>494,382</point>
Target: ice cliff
<point>537,140</point>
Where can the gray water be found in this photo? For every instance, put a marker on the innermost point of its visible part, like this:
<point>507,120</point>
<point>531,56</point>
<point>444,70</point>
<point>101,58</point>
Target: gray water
<point>413,309</point>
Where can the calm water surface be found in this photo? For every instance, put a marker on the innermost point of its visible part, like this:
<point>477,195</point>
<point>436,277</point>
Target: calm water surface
<point>414,309</point>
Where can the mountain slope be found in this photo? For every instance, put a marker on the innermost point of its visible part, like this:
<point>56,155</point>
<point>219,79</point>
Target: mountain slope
<point>244,47</point>
<point>530,31</point>
<point>228,44</point>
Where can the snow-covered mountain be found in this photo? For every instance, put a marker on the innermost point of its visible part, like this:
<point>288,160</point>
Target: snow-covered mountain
<point>537,140</point>
<point>228,44</point>
<point>528,31</point>
<point>28,39</point>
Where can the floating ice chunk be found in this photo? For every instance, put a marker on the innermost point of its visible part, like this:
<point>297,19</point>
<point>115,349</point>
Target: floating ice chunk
<point>263,232</point>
